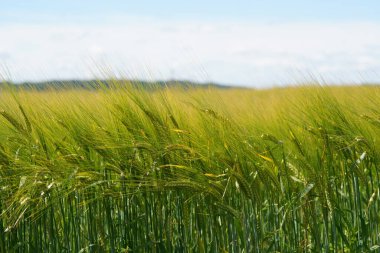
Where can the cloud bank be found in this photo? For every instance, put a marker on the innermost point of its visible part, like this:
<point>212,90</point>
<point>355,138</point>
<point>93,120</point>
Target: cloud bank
<point>237,53</point>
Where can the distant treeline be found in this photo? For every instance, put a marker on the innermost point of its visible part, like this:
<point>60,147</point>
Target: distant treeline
<point>96,84</point>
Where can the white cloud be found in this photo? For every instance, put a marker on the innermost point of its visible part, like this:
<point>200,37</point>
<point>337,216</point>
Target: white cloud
<point>235,53</point>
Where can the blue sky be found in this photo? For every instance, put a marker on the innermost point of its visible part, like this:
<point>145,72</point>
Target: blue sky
<point>269,10</point>
<point>254,43</point>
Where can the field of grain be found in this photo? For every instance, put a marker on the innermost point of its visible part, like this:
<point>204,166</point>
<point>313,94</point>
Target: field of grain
<point>190,170</point>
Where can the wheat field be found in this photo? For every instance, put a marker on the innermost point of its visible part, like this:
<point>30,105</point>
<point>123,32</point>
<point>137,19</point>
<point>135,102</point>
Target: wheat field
<point>128,169</point>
